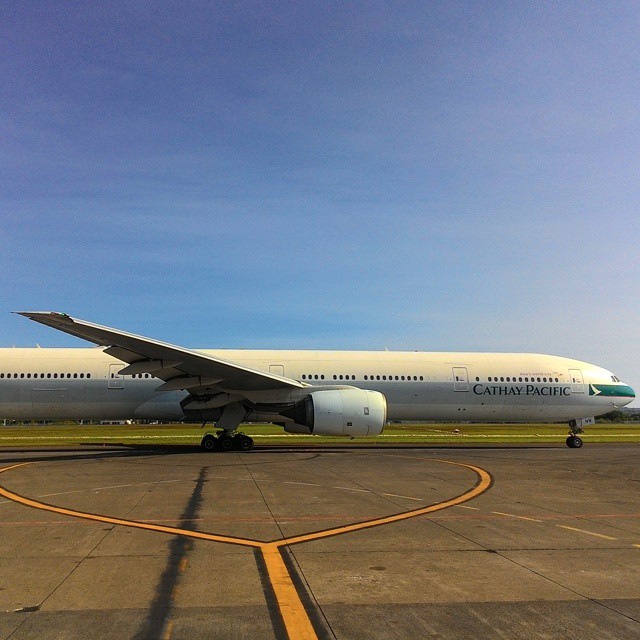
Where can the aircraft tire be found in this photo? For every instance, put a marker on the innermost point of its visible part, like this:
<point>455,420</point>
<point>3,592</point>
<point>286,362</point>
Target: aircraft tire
<point>210,443</point>
<point>244,443</point>
<point>226,442</point>
<point>574,442</point>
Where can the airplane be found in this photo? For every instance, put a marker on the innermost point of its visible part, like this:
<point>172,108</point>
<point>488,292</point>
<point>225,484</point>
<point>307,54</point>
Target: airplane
<point>343,393</point>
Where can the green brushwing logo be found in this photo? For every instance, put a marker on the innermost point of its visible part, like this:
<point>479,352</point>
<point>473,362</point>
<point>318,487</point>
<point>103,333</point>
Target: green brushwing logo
<point>611,390</point>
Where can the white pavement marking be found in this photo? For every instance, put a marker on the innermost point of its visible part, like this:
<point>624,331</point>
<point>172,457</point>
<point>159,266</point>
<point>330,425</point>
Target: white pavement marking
<point>513,515</point>
<point>115,486</point>
<point>306,484</point>
<point>589,533</point>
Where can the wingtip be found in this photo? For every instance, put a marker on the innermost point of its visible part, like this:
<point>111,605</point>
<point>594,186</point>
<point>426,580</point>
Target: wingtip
<point>39,315</point>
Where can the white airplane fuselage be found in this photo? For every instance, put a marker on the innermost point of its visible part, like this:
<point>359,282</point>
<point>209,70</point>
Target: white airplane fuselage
<point>85,383</point>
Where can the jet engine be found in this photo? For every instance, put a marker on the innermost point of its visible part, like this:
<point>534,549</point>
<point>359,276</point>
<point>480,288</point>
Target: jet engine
<point>339,412</point>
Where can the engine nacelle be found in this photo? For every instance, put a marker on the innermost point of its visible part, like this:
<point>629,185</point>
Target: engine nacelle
<point>339,412</point>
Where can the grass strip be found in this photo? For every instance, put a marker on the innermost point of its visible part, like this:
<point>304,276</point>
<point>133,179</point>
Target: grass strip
<point>30,435</point>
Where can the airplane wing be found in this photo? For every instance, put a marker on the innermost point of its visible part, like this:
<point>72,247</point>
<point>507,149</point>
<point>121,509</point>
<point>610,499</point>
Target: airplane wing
<point>180,368</point>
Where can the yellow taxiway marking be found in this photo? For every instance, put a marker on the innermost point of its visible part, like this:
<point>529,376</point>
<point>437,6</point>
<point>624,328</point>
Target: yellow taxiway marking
<point>483,484</point>
<point>589,533</point>
<point>294,615</point>
<point>28,502</point>
<point>513,515</point>
<point>168,628</point>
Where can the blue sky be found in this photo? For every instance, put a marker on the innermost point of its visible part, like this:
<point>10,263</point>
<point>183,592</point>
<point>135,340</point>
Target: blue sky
<point>433,176</point>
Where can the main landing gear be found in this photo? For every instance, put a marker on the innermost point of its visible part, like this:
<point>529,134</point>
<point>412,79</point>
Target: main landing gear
<point>227,438</point>
<point>224,441</point>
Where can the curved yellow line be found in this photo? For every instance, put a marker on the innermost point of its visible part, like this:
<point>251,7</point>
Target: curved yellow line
<point>15,466</point>
<point>294,615</point>
<point>483,484</point>
<point>212,537</point>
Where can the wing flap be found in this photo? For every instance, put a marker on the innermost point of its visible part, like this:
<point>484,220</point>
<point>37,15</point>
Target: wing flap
<point>146,366</point>
<point>188,382</point>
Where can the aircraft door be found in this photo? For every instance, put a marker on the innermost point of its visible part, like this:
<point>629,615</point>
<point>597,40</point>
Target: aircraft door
<point>277,369</point>
<point>577,381</point>
<point>460,379</point>
<point>116,381</point>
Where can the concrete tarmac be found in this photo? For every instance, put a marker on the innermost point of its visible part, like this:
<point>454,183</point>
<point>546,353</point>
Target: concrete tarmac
<point>314,542</point>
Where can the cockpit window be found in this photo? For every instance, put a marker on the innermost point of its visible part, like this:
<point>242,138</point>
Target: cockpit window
<point>615,378</point>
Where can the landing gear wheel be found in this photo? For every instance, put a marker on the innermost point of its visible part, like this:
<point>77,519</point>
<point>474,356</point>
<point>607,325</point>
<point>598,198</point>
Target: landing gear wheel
<point>210,443</point>
<point>574,442</point>
<point>243,443</point>
<point>226,442</point>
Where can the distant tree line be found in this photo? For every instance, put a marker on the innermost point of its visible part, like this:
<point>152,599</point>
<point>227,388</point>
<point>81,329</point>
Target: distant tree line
<point>628,415</point>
